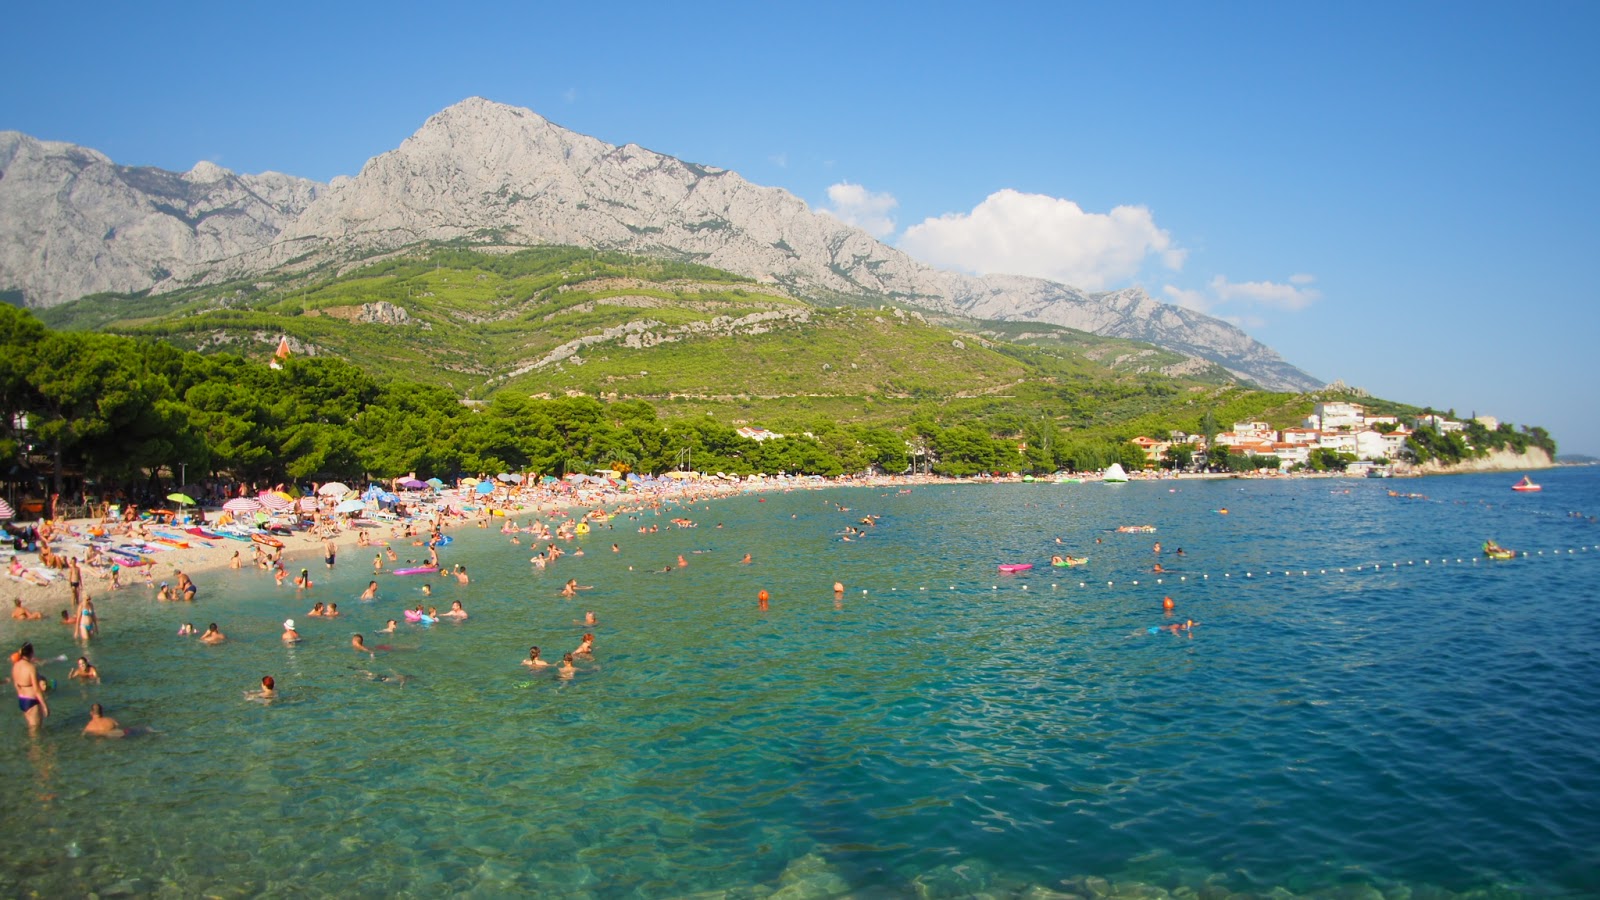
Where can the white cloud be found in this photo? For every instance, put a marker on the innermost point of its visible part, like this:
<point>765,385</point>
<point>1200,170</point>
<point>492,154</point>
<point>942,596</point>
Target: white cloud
<point>1047,237</point>
<point>1302,278</point>
<point>1195,300</point>
<point>854,205</point>
<point>1294,296</point>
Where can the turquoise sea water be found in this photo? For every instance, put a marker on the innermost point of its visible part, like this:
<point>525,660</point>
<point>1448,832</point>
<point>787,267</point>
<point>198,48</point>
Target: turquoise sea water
<point>1427,723</point>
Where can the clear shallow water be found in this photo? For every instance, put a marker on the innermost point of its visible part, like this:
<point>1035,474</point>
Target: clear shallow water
<point>1431,724</point>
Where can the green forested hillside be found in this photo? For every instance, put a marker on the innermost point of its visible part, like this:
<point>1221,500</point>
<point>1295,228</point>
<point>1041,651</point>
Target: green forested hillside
<point>686,343</point>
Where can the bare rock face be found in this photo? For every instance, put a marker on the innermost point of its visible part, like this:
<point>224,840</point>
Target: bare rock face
<point>484,171</point>
<point>488,171</point>
<point>72,222</point>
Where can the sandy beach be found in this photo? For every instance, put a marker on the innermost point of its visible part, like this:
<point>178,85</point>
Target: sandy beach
<point>448,510</point>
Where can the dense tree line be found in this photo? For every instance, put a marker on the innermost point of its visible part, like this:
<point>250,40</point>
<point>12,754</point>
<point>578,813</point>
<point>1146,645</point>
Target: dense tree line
<point>118,410</point>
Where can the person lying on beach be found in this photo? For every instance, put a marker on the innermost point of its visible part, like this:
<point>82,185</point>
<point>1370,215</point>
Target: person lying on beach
<point>212,635</point>
<point>102,725</point>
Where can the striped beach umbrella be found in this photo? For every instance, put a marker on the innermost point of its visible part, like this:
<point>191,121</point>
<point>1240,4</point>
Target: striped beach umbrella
<point>242,505</point>
<point>308,504</point>
<point>275,501</point>
<point>6,511</point>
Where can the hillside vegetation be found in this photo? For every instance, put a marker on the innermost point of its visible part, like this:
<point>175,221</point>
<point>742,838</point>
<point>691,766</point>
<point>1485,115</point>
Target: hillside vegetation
<point>695,345</point>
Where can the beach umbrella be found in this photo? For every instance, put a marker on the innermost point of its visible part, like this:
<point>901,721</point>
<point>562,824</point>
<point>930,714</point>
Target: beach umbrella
<point>308,504</point>
<point>412,484</point>
<point>388,497</point>
<point>6,511</point>
<point>181,499</point>
<point>484,488</point>
<point>240,505</point>
<point>372,493</point>
<point>350,506</point>
<point>508,478</point>
<point>275,501</point>
<point>435,482</point>
<point>334,489</point>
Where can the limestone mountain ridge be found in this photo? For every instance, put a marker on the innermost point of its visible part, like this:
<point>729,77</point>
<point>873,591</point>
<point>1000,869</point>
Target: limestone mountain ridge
<point>491,174</point>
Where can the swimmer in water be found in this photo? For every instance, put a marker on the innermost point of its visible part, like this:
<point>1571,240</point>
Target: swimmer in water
<point>585,647</point>
<point>456,610</point>
<point>317,610</point>
<point>389,628</point>
<point>85,671</point>
<point>289,634</point>
<point>332,611</point>
<point>567,669</point>
<point>371,593</point>
<point>533,661</point>
<point>427,589</point>
<point>187,629</point>
<point>269,689</point>
<point>102,725</point>
<point>746,559</point>
<point>589,619</point>
<point>359,644</point>
<point>212,635</point>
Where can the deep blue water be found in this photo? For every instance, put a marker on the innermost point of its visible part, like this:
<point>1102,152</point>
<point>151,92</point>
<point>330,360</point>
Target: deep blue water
<point>1365,701</point>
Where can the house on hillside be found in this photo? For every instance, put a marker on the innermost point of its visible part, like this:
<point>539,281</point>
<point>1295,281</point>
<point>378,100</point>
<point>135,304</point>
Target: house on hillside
<point>1154,451</point>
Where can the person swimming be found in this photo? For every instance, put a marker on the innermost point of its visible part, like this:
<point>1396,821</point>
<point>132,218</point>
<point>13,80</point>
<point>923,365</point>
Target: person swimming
<point>289,634</point>
<point>567,669</point>
<point>533,661</point>
<point>102,725</point>
<point>371,593</point>
<point>85,671</point>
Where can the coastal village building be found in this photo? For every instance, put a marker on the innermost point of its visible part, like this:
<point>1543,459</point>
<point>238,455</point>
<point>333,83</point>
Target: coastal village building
<point>1338,426</point>
<point>758,434</point>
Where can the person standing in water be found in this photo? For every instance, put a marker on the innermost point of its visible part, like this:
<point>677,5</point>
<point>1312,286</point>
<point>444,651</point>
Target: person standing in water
<point>30,695</point>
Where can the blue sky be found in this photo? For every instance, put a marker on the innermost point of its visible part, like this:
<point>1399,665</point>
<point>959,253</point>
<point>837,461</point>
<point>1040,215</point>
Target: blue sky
<point>1399,195</point>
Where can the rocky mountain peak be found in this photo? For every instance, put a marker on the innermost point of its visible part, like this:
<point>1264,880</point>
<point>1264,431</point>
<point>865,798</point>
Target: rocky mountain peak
<point>492,173</point>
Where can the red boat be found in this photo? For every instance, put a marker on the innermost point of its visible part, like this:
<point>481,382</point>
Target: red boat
<point>1526,484</point>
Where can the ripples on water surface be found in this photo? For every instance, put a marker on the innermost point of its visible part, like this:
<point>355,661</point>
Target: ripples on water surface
<point>1430,726</point>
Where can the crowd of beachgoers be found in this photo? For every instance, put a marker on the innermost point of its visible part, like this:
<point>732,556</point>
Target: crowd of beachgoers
<point>66,567</point>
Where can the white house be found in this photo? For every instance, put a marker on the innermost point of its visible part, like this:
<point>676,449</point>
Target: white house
<point>1339,441</point>
<point>1338,416</point>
